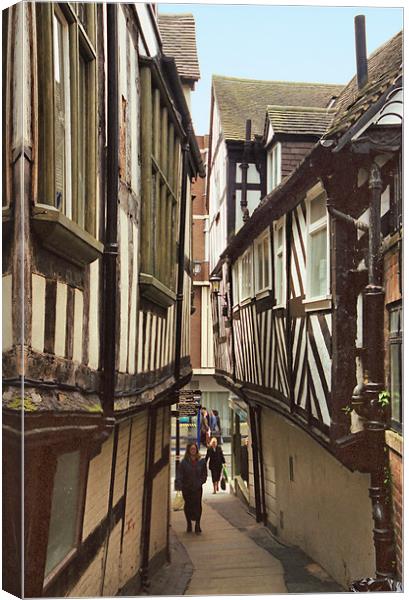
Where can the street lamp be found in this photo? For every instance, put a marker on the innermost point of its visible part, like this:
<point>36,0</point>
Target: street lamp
<point>215,281</point>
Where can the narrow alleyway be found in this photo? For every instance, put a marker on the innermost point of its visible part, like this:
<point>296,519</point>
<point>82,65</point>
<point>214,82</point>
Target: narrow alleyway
<point>234,555</point>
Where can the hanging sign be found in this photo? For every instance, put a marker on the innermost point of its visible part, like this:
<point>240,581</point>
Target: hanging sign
<point>189,402</point>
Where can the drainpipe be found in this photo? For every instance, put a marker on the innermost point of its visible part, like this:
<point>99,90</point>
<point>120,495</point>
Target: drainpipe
<point>365,400</point>
<point>181,259</point>
<point>111,230</point>
<point>110,257</point>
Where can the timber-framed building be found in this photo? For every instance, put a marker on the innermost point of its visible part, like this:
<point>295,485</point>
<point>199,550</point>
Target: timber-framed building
<point>99,155</point>
<point>304,180</point>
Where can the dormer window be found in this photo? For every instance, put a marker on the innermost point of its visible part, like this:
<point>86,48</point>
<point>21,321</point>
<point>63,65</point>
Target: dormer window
<point>274,167</point>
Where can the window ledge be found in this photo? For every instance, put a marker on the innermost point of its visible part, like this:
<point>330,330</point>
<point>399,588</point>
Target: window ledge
<point>323,303</point>
<point>394,441</point>
<point>155,291</point>
<point>245,302</point>
<point>64,237</point>
<point>263,294</point>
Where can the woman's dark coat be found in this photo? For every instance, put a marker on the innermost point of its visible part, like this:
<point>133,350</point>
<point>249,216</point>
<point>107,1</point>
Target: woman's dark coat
<point>190,478</point>
<point>216,458</point>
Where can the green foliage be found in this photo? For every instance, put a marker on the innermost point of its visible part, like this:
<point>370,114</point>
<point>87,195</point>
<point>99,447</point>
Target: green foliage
<point>384,398</point>
<point>27,403</point>
<point>95,408</point>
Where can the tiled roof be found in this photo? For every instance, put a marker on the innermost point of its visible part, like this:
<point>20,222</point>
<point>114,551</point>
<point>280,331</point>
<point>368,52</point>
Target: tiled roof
<point>178,35</point>
<point>384,67</point>
<point>299,119</point>
<point>241,99</point>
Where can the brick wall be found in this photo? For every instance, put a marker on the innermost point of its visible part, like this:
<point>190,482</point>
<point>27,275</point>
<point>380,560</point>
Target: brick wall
<point>393,439</point>
<point>395,464</point>
<point>292,154</point>
<point>196,334</point>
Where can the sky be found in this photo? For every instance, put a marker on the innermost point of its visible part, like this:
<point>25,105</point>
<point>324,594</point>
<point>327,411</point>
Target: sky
<point>284,43</point>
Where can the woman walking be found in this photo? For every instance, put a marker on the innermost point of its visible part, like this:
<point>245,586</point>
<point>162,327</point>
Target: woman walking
<point>216,460</point>
<point>192,474</point>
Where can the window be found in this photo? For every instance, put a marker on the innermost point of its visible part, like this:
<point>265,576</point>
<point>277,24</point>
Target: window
<point>317,245</point>
<point>246,275</point>
<point>63,527</point>
<point>67,110</point>
<point>262,261</point>
<point>161,174</point>
<point>279,265</point>
<point>396,197</point>
<point>274,167</point>
<point>395,364</point>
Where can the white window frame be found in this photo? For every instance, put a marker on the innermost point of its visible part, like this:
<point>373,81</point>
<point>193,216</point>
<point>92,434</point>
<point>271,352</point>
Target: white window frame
<point>312,228</point>
<point>246,294</point>
<point>259,256</point>
<point>274,167</point>
<point>280,251</point>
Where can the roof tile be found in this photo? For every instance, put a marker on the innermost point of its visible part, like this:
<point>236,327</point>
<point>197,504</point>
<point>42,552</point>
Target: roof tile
<point>241,99</point>
<point>178,35</point>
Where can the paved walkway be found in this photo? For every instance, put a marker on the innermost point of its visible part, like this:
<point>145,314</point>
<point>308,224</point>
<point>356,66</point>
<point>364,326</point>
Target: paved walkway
<point>234,555</point>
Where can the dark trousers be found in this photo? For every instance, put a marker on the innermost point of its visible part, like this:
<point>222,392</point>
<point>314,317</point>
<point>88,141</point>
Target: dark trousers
<point>193,504</point>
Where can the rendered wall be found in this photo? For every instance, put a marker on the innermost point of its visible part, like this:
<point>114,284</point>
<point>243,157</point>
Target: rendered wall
<point>325,510</point>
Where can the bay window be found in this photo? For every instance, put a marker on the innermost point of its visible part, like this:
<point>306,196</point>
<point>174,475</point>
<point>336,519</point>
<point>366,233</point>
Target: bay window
<point>67,110</point>
<point>317,245</point>
<point>161,178</point>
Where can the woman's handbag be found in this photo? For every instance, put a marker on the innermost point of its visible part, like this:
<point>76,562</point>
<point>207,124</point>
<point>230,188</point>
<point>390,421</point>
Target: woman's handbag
<point>223,483</point>
<point>225,476</point>
<point>178,502</point>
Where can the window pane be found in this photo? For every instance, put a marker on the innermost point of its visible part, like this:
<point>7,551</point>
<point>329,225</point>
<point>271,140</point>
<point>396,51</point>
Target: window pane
<point>64,509</point>
<point>279,279</point>
<point>260,282</point>
<point>318,263</point>
<point>396,381</point>
<point>318,208</point>
<point>82,140</point>
<point>266,256</point>
<point>395,321</point>
<point>279,237</point>
<point>59,89</point>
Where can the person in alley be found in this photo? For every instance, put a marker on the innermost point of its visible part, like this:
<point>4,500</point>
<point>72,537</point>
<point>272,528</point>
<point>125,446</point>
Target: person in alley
<point>191,475</point>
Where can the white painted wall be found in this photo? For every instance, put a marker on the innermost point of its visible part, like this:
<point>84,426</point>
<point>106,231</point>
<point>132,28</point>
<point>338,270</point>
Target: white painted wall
<point>217,186</point>
<point>148,31</point>
<point>326,511</point>
<point>61,319</point>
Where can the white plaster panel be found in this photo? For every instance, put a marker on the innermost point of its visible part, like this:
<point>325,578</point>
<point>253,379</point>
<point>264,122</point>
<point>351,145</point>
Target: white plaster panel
<point>253,175</point>
<point>122,39</point>
<point>148,30</point>
<point>134,114</point>
<point>93,343</point>
<point>60,319</point>
<point>133,308</point>
<point>7,314</point>
<point>78,325</point>
<point>38,312</point>
<point>124,290</point>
